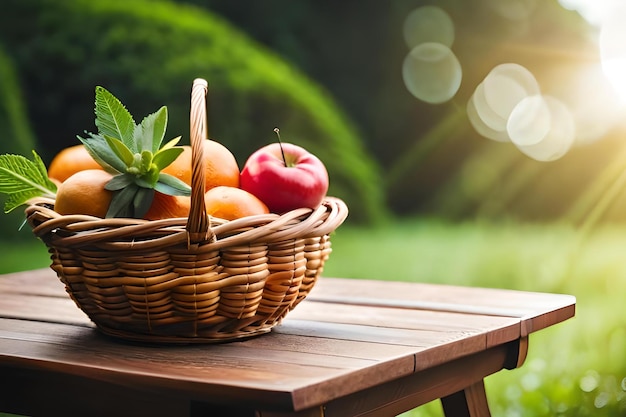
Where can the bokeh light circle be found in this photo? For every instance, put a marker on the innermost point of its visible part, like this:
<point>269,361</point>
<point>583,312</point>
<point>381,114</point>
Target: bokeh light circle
<point>432,73</point>
<point>428,24</point>
<point>506,85</point>
<point>496,96</point>
<point>560,136</point>
<point>613,49</point>
<point>530,121</point>
<point>487,113</point>
<point>481,127</point>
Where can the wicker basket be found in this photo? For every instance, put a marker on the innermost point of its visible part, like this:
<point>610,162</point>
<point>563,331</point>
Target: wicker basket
<point>186,280</point>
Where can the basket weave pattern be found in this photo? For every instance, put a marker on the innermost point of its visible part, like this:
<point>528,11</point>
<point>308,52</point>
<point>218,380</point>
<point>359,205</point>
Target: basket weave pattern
<point>196,279</point>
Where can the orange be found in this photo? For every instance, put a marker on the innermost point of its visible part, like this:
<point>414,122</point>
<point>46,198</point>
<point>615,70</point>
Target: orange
<point>69,161</point>
<point>84,193</point>
<point>168,206</point>
<point>231,203</point>
<point>220,166</point>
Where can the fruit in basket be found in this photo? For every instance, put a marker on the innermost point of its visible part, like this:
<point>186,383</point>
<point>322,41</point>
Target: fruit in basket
<point>232,203</point>
<point>134,154</point>
<point>166,206</point>
<point>220,165</point>
<point>84,193</point>
<point>69,161</point>
<point>285,177</point>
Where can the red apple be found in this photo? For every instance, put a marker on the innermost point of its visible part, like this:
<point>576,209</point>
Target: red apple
<point>299,180</point>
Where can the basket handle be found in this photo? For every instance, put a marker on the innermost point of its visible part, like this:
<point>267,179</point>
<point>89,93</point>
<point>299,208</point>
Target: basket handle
<point>198,223</point>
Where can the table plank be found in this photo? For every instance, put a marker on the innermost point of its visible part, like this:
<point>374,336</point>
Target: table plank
<point>42,308</point>
<point>41,281</point>
<point>530,307</point>
<point>245,371</point>
<point>422,329</point>
<point>342,340</point>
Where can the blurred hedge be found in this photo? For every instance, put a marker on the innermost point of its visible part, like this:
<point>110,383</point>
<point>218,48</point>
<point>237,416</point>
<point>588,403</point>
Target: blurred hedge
<point>15,130</point>
<point>147,53</point>
<point>15,135</point>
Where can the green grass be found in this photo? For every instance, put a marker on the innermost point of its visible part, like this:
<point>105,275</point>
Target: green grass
<point>577,368</point>
<point>22,254</point>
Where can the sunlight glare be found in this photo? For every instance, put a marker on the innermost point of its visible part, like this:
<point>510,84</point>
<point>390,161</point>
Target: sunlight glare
<point>432,73</point>
<point>613,50</point>
<point>594,11</point>
<point>593,102</point>
<point>428,24</point>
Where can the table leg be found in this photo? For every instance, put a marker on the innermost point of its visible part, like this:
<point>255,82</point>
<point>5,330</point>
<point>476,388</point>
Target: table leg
<point>471,402</point>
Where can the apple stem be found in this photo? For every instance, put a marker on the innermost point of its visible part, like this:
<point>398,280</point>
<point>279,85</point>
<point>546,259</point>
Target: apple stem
<point>280,144</point>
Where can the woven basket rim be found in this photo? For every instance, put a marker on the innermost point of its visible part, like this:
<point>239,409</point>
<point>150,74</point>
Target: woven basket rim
<point>84,230</point>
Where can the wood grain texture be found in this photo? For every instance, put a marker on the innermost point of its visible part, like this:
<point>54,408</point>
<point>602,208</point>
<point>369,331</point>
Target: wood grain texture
<point>351,348</point>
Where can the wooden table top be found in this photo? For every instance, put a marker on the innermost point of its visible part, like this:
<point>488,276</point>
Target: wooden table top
<point>347,336</point>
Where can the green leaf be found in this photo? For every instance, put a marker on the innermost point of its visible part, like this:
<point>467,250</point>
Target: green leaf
<point>165,157</point>
<point>131,201</point>
<point>118,182</point>
<point>135,153</point>
<point>22,179</point>
<point>144,182</point>
<point>120,150</point>
<point>142,201</point>
<point>113,119</point>
<point>168,184</point>
<point>122,202</point>
<point>146,160</point>
<point>171,143</point>
<point>150,133</point>
<point>100,150</point>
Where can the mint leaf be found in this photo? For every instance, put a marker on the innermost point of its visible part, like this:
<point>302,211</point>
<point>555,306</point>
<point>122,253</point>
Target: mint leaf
<point>122,202</point>
<point>131,201</point>
<point>142,201</point>
<point>164,157</point>
<point>134,154</point>
<point>150,133</point>
<point>119,181</point>
<point>113,119</point>
<point>99,149</point>
<point>168,184</point>
<point>22,179</point>
<point>171,143</point>
<point>120,150</point>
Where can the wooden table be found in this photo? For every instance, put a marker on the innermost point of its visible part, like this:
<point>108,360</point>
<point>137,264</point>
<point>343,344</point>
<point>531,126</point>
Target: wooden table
<point>353,348</point>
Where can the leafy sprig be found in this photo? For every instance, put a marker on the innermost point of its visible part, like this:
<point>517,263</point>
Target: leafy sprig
<point>22,179</point>
<point>134,154</point>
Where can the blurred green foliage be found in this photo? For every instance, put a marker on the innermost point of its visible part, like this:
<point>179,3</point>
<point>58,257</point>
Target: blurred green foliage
<point>148,52</point>
<point>16,135</point>
<point>15,131</point>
